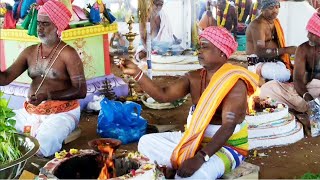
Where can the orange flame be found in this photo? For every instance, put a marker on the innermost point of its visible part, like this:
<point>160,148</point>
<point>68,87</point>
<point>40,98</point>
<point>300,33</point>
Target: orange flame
<point>108,163</point>
<point>250,101</point>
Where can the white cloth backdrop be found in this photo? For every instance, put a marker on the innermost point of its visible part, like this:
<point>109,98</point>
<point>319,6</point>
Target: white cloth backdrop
<point>294,17</point>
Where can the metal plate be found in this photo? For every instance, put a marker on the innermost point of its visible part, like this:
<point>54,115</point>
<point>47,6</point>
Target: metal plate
<point>28,147</point>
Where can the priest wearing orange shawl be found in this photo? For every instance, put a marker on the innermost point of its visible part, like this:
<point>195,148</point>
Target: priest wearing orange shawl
<point>266,44</point>
<point>216,138</point>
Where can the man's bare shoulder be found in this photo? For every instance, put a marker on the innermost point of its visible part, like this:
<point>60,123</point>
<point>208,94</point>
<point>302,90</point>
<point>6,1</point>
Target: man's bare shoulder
<point>69,49</point>
<point>29,51</point>
<point>304,49</point>
<point>239,87</point>
<point>256,24</point>
<point>193,74</point>
<point>254,28</point>
<point>70,53</point>
<point>238,92</point>
<point>305,46</point>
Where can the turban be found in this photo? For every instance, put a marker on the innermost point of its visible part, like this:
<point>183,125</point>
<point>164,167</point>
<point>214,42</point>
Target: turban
<point>313,25</point>
<point>221,38</point>
<point>58,13</point>
<point>269,3</point>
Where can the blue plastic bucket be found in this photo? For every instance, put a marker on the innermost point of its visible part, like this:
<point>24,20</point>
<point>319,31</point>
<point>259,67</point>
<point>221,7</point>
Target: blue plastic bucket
<point>241,39</point>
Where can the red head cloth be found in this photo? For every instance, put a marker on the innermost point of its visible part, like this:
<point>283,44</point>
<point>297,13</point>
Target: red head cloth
<point>221,38</point>
<point>313,25</point>
<point>58,13</point>
<point>41,2</point>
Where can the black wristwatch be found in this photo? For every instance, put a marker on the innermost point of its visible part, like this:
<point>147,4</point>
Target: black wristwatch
<point>204,155</point>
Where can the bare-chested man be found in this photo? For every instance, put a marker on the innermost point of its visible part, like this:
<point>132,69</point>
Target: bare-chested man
<point>52,110</point>
<point>306,76</point>
<point>265,39</point>
<point>161,29</point>
<point>231,23</point>
<point>207,18</point>
<point>216,115</point>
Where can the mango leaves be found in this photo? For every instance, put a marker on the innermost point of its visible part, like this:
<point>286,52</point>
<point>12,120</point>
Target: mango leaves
<point>8,142</point>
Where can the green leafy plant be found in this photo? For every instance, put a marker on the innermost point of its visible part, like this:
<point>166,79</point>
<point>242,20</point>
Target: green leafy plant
<point>9,150</point>
<point>310,176</point>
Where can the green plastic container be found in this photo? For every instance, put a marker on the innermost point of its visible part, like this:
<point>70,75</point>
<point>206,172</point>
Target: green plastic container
<point>241,39</point>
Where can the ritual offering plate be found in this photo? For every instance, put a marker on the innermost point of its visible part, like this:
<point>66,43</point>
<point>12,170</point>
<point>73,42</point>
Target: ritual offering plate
<point>265,110</point>
<point>271,124</point>
<point>152,104</point>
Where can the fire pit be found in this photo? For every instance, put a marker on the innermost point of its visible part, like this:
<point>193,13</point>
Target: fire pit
<point>90,164</point>
<point>107,148</point>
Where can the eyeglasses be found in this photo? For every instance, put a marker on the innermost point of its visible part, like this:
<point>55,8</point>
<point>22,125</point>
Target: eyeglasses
<point>43,23</point>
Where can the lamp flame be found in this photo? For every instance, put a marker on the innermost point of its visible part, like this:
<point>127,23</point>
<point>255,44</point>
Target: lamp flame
<point>251,101</point>
<point>108,171</point>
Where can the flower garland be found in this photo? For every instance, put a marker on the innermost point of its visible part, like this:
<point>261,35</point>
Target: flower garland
<point>243,7</point>
<point>225,14</point>
<point>254,11</point>
<point>237,3</point>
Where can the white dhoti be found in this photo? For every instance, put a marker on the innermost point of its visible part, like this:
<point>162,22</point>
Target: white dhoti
<point>50,130</point>
<point>159,147</point>
<point>273,71</point>
<point>286,93</point>
<point>165,33</point>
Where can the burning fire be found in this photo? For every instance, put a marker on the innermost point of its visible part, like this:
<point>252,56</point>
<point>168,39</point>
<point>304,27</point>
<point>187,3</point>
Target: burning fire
<point>250,101</point>
<point>108,162</point>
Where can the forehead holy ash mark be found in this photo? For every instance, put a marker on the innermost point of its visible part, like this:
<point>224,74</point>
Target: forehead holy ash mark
<point>204,41</point>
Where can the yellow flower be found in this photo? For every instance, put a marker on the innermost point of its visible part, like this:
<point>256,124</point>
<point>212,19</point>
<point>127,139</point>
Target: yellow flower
<point>131,155</point>
<point>252,112</point>
<point>3,11</point>
<point>267,109</point>
<point>195,53</point>
<point>147,166</point>
<point>61,154</point>
<point>74,151</point>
